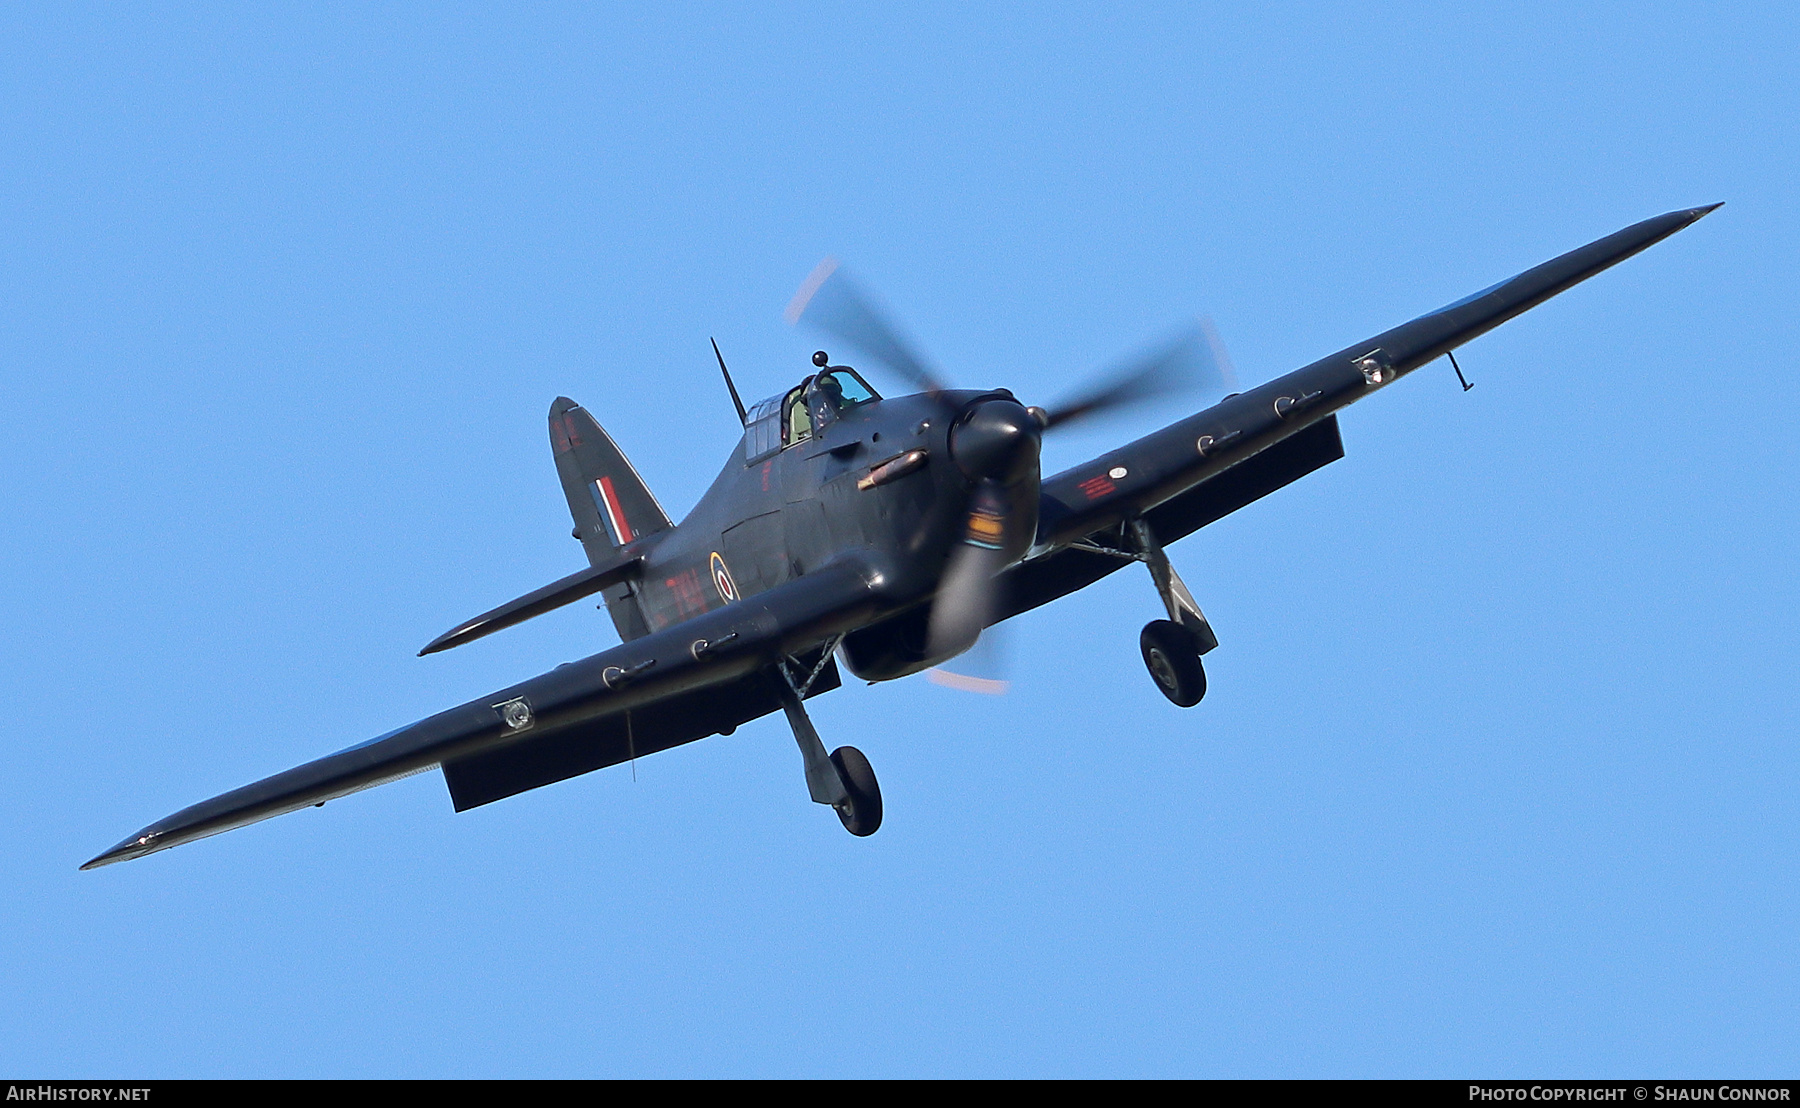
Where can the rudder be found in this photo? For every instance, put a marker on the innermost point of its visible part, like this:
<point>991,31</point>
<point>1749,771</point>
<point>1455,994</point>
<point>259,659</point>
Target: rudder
<point>609,502</point>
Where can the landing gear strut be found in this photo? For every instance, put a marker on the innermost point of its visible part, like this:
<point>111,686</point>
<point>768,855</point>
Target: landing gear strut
<point>1172,647</point>
<point>843,780</point>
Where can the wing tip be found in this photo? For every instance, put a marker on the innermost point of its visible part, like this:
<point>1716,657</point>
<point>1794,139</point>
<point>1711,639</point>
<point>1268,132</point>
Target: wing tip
<point>134,847</point>
<point>1687,217</point>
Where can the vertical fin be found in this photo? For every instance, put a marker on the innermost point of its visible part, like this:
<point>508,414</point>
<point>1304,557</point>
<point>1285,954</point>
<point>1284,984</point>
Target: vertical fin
<point>609,502</point>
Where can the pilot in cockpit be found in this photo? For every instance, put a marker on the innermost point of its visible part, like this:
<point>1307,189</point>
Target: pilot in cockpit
<point>825,398</point>
<point>819,400</point>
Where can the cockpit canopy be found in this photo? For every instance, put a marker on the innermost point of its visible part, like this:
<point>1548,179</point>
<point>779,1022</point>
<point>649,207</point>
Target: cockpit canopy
<point>789,419</point>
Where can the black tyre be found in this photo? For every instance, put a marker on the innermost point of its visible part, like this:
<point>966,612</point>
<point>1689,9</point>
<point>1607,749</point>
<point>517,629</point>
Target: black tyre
<point>1173,659</point>
<point>861,814</point>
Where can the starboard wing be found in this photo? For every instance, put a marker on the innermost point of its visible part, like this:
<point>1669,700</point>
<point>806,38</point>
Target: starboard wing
<point>566,721</point>
<point>539,760</point>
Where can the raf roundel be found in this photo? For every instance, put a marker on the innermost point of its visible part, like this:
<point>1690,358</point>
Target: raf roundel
<point>722,581</point>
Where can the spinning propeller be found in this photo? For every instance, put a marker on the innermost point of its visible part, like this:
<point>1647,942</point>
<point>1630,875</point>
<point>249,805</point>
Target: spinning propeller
<point>995,442</point>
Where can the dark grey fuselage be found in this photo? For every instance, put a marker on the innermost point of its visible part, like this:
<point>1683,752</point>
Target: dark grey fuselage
<point>774,520</point>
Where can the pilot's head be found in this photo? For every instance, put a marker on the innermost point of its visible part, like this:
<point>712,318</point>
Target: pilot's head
<point>832,389</point>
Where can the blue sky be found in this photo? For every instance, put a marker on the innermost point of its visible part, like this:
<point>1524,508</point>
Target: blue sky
<point>1497,771</point>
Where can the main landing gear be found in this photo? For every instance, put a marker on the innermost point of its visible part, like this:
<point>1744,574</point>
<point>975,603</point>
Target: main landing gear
<point>842,780</point>
<point>860,810</point>
<point>1173,659</point>
<point>1172,647</point>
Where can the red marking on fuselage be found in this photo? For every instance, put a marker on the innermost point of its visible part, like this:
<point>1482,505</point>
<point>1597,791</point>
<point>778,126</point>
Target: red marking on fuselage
<point>690,598</point>
<point>1097,487</point>
<point>766,467</point>
<point>621,528</point>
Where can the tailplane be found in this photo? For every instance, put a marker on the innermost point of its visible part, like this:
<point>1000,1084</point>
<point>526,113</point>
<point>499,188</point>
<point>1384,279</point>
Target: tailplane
<point>609,502</point>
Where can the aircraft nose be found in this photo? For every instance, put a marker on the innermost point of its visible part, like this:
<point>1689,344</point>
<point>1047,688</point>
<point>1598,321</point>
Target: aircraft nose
<point>995,438</point>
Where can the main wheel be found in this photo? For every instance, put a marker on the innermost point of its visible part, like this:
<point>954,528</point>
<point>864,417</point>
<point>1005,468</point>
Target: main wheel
<point>1173,659</point>
<point>861,814</point>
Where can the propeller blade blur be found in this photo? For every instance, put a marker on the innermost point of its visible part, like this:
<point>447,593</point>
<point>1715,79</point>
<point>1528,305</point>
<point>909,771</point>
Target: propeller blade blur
<point>980,669</point>
<point>1193,360</point>
<point>834,303</point>
<point>965,598</point>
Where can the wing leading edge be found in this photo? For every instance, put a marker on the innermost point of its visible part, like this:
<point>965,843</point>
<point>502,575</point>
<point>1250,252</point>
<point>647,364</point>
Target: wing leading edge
<point>1165,475</point>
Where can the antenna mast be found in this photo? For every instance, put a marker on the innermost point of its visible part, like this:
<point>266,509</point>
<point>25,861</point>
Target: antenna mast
<point>742,418</point>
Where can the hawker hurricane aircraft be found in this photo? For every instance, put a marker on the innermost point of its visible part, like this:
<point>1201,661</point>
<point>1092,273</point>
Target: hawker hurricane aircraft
<point>876,534</point>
